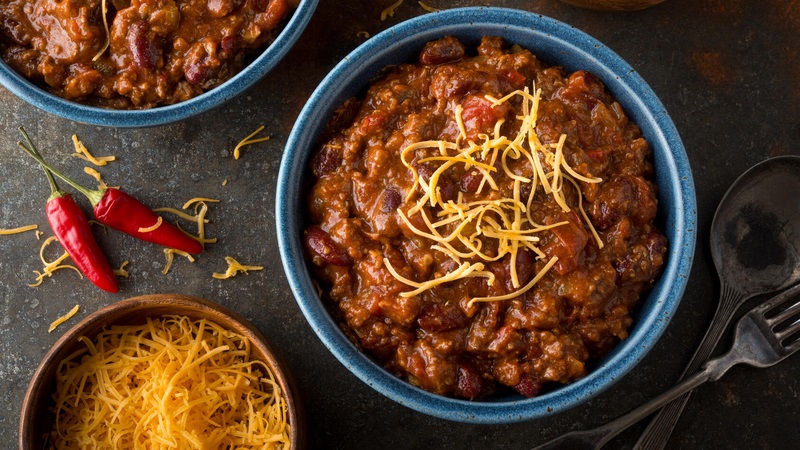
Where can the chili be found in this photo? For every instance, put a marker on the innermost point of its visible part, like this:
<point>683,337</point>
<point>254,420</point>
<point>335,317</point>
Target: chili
<point>72,230</point>
<point>121,211</point>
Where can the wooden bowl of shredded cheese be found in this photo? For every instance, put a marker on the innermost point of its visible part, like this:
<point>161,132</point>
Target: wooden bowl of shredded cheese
<point>162,371</point>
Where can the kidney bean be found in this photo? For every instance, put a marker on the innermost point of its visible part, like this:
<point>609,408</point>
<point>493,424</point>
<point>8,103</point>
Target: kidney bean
<point>469,383</point>
<point>196,72</point>
<point>142,46</point>
<point>471,180</point>
<point>443,51</point>
<point>438,317</point>
<point>321,244</point>
<point>528,386</point>
<point>326,161</point>
<point>525,266</point>
<point>391,200</point>
<point>446,190</point>
<point>230,45</point>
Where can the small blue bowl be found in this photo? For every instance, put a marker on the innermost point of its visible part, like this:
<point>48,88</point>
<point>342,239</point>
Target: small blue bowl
<point>162,115</point>
<point>557,44</point>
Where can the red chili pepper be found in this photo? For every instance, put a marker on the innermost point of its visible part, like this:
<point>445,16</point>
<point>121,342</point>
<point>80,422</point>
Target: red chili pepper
<point>70,226</point>
<point>122,212</point>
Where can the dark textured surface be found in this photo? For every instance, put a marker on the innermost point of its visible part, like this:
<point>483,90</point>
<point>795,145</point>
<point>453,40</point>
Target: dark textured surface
<point>728,71</point>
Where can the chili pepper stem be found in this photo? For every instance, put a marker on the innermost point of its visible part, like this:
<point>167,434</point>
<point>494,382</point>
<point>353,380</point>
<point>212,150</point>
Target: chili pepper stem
<point>93,195</point>
<point>55,192</point>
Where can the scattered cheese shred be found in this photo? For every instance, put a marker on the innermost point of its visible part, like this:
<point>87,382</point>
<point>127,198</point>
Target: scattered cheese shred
<point>82,152</point>
<point>104,10</point>
<point>170,383</point>
<point>428,8</point>
<point>225,182</point>
<point>153,227</point>
<point>51,266</point>
<point>39,234</point>
<point>389,11</point>
<point>7,231</point>
<point>179,213</point>
<point>363,34</point>
<point>192,201</point>
<point>63,318</point>
<point>170,253</point>
<point>121,272</point>
<point>460,229</point>
<point>96,175</point>
<point>234,267</point>
<point>248,141</point>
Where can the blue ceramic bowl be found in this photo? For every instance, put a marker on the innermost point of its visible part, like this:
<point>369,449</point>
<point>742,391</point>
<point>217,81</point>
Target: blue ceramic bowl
<point>554,43</point>
<point>161,115</point>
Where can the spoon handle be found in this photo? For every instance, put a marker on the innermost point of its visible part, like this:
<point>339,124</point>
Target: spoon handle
<point>657,433</point>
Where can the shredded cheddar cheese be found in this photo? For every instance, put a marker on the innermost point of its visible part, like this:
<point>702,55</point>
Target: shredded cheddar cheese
<point>153,227</point>
<point>63,318</point>
<point>51,266</point>
<point>248,141</point>
<point>428,8</point>
<point>234,267</point>
<point>7,231</point>
<point>461,229</point>
<point>96,175</point>
<point>225,182</point>
<point>107,43</point>
<point>389,11</point>
<point>179,213</point>
<point>170,383</point>
<point>82,152</point>
<point>198,200</point>
<point>39,234</point>
<point>170,253</point>
<point>363,34</point>
<point>121,272</point>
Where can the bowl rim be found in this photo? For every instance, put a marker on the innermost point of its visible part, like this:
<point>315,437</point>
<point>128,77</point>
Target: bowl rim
<point>163,304</point>
<point>664,297</point>
<point>162,115</point>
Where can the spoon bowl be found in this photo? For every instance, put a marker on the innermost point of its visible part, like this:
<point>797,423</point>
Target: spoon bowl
<point>755,234</point>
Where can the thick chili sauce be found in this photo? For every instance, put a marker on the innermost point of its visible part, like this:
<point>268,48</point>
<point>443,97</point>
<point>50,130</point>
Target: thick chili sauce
<point>159,51</point>
<point>438,339</point>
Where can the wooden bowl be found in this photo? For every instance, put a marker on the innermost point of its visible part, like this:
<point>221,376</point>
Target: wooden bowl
<point>37,417</point>
<point>614,5</point>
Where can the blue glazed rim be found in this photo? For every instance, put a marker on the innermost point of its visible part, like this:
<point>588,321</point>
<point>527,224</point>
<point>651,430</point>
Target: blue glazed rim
<point>555,43</point>
<point>163,115</point>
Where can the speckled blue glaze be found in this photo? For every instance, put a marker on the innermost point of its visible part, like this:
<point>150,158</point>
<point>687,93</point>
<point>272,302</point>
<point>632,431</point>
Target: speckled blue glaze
<point>77,112</point>
<point>555,43</point>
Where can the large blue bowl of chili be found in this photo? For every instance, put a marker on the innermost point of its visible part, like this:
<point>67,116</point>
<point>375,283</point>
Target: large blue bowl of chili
<point>557,44</point>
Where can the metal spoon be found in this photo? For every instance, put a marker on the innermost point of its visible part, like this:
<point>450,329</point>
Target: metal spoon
<point>755,244</point>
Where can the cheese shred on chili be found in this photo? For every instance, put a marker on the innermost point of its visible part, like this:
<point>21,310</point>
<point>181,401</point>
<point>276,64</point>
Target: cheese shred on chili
<point>154,227</point>
<point>507,220</point>
<point>172,382</point>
